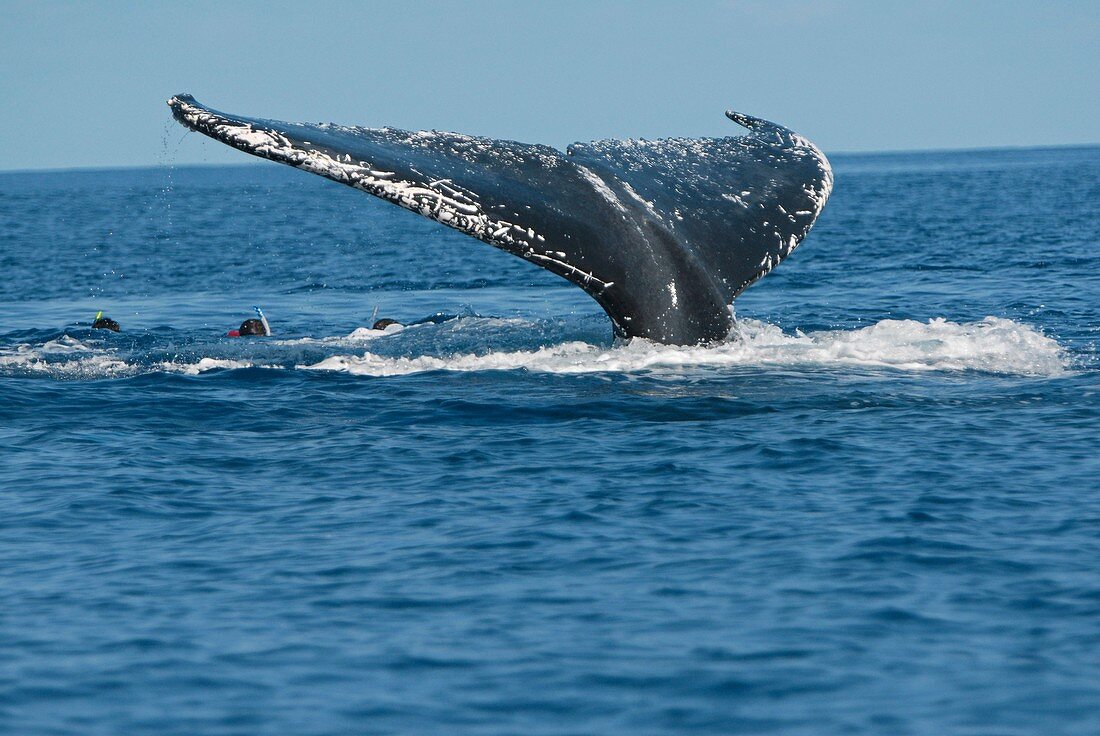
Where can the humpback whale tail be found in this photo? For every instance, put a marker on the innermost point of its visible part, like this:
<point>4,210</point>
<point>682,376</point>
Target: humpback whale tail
<point>662,234</point>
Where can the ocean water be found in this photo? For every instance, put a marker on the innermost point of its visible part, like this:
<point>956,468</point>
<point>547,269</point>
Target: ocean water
<point>877,512</point>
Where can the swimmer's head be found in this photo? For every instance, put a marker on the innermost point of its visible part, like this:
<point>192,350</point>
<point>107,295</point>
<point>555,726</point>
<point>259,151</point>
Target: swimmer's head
<point>250,328</point>
<point>384,323</point>
<point>105,323</point>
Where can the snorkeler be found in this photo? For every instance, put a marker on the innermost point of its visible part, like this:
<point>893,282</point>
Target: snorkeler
<point>434,319</point>
<point>105,323</point>
<point>253,327</point>
<point>382,324</point>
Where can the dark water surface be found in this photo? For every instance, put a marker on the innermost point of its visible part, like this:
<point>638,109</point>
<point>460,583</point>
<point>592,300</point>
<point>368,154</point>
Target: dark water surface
<point>877,512</point>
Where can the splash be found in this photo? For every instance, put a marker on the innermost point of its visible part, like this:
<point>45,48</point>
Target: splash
<point>64,357</point>
<point>204,365</point>
<point>992,345</point>
<point>68,358</point>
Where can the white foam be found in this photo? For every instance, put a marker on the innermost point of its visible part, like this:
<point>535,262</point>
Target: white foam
<point>368,333</point>
<point>64,357</point>
<point>359,334</point>
<point>91,366</point>
<point>68,358</point>
<point>992,345</point>
<point>203,365</point>
<point>63,344</point>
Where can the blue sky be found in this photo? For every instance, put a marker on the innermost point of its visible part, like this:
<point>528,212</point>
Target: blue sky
<point>84,84</point>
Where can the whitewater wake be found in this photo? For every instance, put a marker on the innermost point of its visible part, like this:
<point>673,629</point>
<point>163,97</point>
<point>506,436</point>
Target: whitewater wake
<point>69,358</point>
<point>992,345</point>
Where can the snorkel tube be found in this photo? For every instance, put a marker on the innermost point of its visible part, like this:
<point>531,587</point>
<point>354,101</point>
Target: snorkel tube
<point>260,314</point>
<point>253,326</point>
<point>104,323</point>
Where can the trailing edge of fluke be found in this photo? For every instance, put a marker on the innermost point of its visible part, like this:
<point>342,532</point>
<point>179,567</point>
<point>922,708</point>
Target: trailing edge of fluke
<point>662,234</point>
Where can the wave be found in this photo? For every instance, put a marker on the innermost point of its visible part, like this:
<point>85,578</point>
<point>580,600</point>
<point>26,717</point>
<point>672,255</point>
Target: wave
<point>206,364</point>
<point>67,357</point>
<point>992,345</point>
<point>62,357</point>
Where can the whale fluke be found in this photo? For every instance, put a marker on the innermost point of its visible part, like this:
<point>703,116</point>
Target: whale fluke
<point>662,234</point>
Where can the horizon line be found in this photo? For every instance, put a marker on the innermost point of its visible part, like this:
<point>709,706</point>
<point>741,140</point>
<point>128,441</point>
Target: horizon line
<point>841,154</point>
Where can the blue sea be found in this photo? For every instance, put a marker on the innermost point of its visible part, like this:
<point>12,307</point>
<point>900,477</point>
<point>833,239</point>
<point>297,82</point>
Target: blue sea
<point>875,512</point>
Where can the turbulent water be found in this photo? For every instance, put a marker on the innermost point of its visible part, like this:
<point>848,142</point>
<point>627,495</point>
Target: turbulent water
<point>877,511</point>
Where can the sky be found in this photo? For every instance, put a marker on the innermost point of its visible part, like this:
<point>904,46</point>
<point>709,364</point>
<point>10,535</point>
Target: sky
<point>83,84</point>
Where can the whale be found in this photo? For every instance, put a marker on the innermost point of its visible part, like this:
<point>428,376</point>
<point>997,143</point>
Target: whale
<point>662,234</point>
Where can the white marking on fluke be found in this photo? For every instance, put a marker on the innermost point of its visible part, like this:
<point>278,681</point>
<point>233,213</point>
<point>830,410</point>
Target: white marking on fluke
<point>454,208</point>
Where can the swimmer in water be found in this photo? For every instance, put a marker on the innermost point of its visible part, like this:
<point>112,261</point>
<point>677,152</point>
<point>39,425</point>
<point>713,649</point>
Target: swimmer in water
<point>253,327</point>
<point>435,319</point>
<point>249,328</point>
<point>105,323</point>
